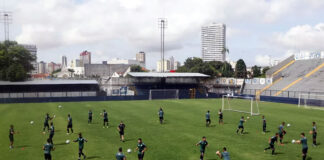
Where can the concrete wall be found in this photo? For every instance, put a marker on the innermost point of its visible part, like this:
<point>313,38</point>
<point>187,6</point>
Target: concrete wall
<point>103,70</point>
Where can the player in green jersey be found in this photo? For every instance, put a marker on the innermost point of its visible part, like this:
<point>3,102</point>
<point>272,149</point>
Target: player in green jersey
<point>223,155</point>
<point>208,118</point>
<point>314,134</point>
<point>272,141</point>
<point>81,141</point>
<point>303,142</point>
<point>202,146</point>
<point>48,147</point>
<point>120,155</point>
<point>240,126</point>
<point>89,117</point>
<point>141,148</point>
<point>52,130</point>
<point>11,136</point>
<point>69,126</point>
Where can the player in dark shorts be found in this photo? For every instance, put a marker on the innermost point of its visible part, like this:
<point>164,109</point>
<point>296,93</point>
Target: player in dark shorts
<point>11,136</point>
<point>105,119</point>
<point>281,132</point>
<point>69,126</point>
<point>208,119</point>
<point>202,146</point>
<point>314,133</point>
<point>223,155</point>
<point>81,141</point>
<point>141,147</point>
<point>47,118</point>
<point>264,124</point>
<point>120,155</point>
<point>272,141</point>
<point>52,130</point>
<point>220,116</point>
<point>90,117</point>
<point>240,126</point>
<point>48,147</point>
<point>303,142</point>
<point>121,130</point>
<point>161,115</point>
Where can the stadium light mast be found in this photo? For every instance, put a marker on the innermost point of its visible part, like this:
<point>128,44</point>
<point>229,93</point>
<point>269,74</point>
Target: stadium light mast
<point>162,25</point>
<point>6,19</point>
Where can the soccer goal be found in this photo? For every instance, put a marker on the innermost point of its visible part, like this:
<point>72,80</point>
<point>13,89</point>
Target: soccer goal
<point>307,100</point>
<point>164,94</point>
<point>242,104</point>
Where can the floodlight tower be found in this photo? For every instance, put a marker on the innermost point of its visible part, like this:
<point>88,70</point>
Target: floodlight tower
<point>6,19</point>
<point>163,23</point>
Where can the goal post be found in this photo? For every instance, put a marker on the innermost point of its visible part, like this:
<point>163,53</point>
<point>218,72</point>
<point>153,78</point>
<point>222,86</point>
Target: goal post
<point>307,100</point>
<point>242,104</point>
<point>163,94</point>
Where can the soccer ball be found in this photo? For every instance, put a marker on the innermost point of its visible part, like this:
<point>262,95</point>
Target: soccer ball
<point>59,106</point>
<point>129,150</point>
<point>288,125</point>
<point>67,141</point>
<point>31,122</point>
<point>293,141</point>
<point>310,132</point>
<point>54,116</point>
<point>217,152</point>
<point>248,117</point>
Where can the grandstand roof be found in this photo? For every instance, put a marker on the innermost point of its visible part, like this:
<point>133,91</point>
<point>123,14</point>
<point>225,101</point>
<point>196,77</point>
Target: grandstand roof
<point>49,82</point>
<point>166,75</point>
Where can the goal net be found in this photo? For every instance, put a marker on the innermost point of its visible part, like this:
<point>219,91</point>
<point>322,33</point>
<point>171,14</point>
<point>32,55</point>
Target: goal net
<point>240,104</point>
<point>307,100</point>
<point>164,94</point>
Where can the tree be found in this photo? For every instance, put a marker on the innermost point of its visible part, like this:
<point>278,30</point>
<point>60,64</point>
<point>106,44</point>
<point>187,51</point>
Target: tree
<point>256,71</point>
<point>71,72</point>
<point>16,72</point>
<point>227,70</point>
<point>216,64</point>
<point>192,62</point>
<point>264,70</point>
<point>136,68</point>
<point>240,69</point>
<point>15,61</point>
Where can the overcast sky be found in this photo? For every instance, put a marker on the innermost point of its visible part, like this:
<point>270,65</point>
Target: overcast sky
<point>256,29</point>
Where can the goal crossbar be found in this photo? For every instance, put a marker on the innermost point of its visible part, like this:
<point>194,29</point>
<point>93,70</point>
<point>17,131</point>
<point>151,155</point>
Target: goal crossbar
<point>253,105</point>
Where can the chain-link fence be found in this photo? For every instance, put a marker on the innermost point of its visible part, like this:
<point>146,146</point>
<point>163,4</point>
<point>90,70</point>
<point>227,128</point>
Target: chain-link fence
<point>288,94</point>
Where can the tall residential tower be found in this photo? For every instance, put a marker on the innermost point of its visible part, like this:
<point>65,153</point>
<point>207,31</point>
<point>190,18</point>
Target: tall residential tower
<point>213,42</point>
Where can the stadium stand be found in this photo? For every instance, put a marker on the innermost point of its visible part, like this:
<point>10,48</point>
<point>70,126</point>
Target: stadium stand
<point>290,78</point>
<point>49,88</point>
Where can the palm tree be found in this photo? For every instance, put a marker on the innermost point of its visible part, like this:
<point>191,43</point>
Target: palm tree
<point>225,50</point>
<point>71,72</point>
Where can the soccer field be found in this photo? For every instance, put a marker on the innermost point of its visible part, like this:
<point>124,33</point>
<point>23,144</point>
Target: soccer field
<point>175,140</point>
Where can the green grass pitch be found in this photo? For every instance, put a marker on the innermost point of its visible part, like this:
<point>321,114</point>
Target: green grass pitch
<point>184,126</point>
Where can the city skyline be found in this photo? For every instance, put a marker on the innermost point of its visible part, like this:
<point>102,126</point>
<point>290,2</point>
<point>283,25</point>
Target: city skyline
<point>259,29</point>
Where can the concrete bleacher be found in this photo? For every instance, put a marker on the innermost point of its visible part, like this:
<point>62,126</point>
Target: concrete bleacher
<point>292,78</point>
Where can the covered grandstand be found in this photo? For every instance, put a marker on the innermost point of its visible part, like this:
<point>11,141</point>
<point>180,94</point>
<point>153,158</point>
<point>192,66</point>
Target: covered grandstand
<point>49,88</point>
<point>189,85</point>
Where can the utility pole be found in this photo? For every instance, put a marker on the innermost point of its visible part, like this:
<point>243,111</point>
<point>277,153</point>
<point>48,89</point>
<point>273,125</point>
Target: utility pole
<point>162,25</point>
<point>6,19</point>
